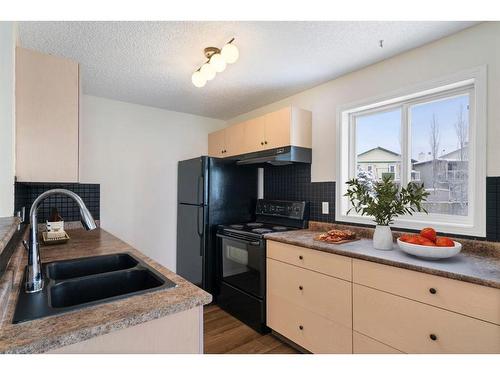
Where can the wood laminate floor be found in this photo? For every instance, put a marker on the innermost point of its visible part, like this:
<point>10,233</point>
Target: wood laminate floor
<point>224,334</point>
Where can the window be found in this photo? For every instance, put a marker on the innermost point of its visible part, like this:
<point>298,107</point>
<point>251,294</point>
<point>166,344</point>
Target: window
<point>432,135</point>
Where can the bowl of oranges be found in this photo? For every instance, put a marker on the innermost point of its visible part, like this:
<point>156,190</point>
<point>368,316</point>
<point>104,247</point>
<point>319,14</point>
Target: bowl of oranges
<point>428,245</point>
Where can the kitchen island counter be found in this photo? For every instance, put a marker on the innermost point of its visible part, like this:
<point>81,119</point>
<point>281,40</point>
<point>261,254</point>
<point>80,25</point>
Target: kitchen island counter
<point>56,332</point>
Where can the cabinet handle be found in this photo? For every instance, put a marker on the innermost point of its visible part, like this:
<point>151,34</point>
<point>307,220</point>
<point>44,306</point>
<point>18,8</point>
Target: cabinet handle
<point>301,327</point>
<point>265,142</point>
<point>262,143</point>
<point>301,287</point>
<point>433,337</point>
<point>301,257</point>
<point>432,291</point>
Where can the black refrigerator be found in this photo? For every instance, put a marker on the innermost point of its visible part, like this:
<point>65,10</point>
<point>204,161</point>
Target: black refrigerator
<point>210,191</point>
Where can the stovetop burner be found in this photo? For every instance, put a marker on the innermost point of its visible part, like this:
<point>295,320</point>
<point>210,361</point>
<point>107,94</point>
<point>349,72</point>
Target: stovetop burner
<point>262,230</point>
<point>279,228</point>
<point>254,225</point>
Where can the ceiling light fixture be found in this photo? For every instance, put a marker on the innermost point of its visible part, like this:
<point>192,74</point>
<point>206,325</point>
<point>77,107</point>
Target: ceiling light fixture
<point>216,63</point>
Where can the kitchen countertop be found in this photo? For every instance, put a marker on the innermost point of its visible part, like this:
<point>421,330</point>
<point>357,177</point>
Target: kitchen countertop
<point>52,332</point>
<point>470,267</point>
<point>8,226</point>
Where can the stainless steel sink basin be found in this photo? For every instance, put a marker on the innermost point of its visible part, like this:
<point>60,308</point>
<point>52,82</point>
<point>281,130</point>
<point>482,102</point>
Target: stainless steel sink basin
<point>70,269</point>
<point>78,283</point>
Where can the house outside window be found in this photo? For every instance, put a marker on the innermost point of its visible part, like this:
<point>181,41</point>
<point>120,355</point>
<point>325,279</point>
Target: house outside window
<point>433,134</point>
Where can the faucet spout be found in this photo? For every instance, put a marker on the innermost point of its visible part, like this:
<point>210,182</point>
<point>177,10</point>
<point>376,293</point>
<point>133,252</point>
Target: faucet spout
<point>34,277</point>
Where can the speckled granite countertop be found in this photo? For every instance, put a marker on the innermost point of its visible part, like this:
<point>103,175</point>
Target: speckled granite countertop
<point>8,226</point>
<point>41,335</point>
<point>470,267</point>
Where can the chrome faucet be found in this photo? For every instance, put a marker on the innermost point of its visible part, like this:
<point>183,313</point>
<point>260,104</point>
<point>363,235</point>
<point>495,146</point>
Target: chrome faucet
<point>34,277</point>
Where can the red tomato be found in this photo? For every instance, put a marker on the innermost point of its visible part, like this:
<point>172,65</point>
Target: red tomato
<point>429,233</point>
<point>445,242</point>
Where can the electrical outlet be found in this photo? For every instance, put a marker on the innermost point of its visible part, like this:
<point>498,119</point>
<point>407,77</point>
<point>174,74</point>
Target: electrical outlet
<point>324,208</point>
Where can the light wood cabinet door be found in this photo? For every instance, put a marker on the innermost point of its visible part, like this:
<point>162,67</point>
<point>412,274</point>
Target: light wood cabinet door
<point>47,106</point>
<point>466,298</point>
<point>277,128</point>
<point>309,330</point>
<point>235,140</point>
<point>217,143</point>
<point>324,295</point>
<point>319,261</point>
<point>362,344</point>
<point>255,134</point>
<point>414,327</point>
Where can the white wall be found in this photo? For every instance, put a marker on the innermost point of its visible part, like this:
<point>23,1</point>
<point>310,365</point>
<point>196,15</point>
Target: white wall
<point>479,45</point>
<point>132,151</point>
<point>7,116</point>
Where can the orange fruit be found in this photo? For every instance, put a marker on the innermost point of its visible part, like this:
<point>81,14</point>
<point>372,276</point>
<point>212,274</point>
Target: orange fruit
<point>421,239</point>
<point>429,233</point>
<point>414,240</point>
<point>405,237</point>
<point>427,243</point>
<point>444,242</point>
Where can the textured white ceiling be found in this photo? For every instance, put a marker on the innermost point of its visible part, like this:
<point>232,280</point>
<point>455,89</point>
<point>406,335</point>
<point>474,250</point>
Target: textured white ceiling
<point>151,63</point>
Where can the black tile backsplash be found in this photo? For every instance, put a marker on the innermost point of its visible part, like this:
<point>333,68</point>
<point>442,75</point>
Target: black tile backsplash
<point>493,208</point>
<point>293,182</point>
<point>26,193</point>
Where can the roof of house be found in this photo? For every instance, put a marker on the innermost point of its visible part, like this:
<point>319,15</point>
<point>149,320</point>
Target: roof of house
<point>381,149</point>
<point>385,150</point>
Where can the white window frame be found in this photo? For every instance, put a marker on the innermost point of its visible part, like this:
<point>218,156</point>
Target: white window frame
<point>472,81</point>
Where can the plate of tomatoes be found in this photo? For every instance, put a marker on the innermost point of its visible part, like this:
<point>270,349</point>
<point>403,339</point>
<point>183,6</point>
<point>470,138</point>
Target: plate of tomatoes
<point>428,245</point>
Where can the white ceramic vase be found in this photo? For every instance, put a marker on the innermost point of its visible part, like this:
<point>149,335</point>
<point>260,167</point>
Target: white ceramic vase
<point>382,238</point>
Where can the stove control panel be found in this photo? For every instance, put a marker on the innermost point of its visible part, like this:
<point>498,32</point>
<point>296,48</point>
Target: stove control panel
<point>287,209</point>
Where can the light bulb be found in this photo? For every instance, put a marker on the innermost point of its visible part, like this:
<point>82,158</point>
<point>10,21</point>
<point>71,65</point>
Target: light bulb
<point>208,71</point>
<point>198,79</point>
<point>230,53</point>
<point>218,62</point>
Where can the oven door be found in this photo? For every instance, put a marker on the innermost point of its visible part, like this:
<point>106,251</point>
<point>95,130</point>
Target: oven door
<point>243,264</point>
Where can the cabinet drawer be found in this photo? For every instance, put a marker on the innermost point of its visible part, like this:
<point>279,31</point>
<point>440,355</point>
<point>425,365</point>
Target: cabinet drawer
<point>408,325</point>
<point>470,299</point>
<point>309,330</point>
<point>319,261</point>
<point>325,295</point>
<point>362,344</point>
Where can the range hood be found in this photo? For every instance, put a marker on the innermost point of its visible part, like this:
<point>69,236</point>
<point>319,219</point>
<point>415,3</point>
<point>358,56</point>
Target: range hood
<point>277,156</point>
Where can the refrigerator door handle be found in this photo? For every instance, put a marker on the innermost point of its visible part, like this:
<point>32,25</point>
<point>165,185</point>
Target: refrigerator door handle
<point>200,182</point>
<point>202,231</point>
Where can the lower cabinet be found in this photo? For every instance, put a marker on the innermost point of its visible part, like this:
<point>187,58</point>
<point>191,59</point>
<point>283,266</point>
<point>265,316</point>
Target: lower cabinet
<point>328,303</point>
<point>415,327</point>
<point>179,333</point>
<point>308,329</point>
<point>362,344</point>
<point>310,308</point>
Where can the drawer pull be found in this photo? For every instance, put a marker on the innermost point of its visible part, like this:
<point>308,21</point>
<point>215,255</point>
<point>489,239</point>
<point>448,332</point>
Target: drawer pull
<point>301,287</point>
<point>301,328</point>
<point>433,337</point>
<point>432,291</point>
<point>301,257</point>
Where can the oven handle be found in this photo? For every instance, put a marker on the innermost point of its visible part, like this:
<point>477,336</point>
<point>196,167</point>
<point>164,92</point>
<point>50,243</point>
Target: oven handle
<point>234,238</point>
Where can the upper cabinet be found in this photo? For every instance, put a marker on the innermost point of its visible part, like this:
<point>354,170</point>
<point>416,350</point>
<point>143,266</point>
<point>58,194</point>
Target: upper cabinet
<point>217,143</point>
<point>289,126</point>
<point>47,111</point>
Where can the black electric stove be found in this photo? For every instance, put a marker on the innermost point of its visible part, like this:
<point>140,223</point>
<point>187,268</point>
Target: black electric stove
<point>241,253</point>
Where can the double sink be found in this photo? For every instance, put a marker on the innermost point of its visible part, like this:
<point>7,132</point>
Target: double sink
<point>77,283</point>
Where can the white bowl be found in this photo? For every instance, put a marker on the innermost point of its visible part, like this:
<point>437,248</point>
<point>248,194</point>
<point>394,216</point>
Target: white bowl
<point>430,252</point>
